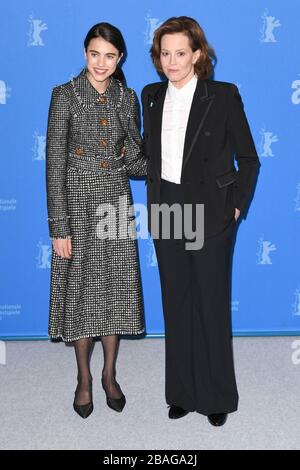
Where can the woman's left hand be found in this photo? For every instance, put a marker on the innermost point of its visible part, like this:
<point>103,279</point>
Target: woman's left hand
<point>237,213</point>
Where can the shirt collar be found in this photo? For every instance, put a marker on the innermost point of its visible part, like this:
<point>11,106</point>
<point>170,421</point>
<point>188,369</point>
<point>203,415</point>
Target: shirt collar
<point>88,95</point>
<point>187,91</point>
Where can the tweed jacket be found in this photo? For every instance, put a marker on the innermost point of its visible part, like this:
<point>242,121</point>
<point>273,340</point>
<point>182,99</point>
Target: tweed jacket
<point>99,128</point>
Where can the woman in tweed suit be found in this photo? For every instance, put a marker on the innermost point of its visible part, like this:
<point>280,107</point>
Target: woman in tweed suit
<point>93,146</point>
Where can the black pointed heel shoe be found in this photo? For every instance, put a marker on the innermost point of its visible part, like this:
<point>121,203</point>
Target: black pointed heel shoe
<point>84,410</point>
<point>116,404</point>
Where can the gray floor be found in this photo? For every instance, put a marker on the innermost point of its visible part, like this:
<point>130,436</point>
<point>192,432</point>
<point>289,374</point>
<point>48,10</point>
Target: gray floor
<point>38,382</point>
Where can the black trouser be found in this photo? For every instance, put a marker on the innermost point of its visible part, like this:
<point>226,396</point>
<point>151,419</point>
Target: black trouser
<point>196,295</point>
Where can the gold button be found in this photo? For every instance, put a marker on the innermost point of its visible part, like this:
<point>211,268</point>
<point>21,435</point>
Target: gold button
<point>79,151</point>
<point>103,122</point>
<point>102,99</point>
<point>123,151</point>
<point>103,143</point>
<point>104,164</point>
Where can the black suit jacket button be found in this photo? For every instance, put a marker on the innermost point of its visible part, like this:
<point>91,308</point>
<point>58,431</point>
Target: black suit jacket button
<point>205,159</point>
<point>150,179</point>
<point>207,133</point>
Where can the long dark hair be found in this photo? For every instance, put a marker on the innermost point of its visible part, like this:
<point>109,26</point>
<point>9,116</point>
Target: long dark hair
<point>113,35</point>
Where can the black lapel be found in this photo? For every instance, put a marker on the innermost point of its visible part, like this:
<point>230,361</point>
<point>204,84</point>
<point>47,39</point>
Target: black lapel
<point>155,106</point>
<point>199,109</point>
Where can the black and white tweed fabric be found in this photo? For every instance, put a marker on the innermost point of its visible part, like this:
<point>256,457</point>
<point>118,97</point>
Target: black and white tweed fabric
<point>93,146</point>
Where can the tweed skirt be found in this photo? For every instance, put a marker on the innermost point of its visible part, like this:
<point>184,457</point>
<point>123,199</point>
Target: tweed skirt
<point>98,291</point>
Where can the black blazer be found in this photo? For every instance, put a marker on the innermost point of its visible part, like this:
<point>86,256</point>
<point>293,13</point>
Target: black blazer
<point>217,133</point>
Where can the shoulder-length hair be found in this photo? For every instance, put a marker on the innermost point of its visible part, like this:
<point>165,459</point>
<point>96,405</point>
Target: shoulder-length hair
<point>186,25</point>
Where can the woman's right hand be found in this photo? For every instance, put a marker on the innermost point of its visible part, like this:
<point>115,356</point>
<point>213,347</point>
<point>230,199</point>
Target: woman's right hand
<point>63,247</point>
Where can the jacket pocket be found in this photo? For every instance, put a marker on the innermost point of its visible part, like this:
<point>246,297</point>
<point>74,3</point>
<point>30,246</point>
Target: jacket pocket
<point>225,180</point>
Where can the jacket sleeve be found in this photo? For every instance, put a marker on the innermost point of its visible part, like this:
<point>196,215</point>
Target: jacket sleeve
<point>146,126</point>
<point>244,149</point>
<point>56,165</point>
<point>135,160</point>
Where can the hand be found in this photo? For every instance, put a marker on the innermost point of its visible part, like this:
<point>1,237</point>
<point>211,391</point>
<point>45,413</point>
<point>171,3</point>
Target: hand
<point>237,213</point>
<point>63,247</point>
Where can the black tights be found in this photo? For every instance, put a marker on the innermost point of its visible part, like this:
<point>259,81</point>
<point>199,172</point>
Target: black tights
<point>83,350</point>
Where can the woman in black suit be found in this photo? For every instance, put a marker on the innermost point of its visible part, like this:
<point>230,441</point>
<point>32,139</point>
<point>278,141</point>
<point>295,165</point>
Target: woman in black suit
<point>194,129</point>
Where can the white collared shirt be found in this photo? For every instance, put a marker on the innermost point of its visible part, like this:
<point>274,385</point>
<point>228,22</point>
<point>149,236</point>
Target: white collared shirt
<point>176,112</point>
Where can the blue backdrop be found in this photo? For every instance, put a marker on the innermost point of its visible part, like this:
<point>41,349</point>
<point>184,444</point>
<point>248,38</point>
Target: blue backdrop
<point>257,45</point>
